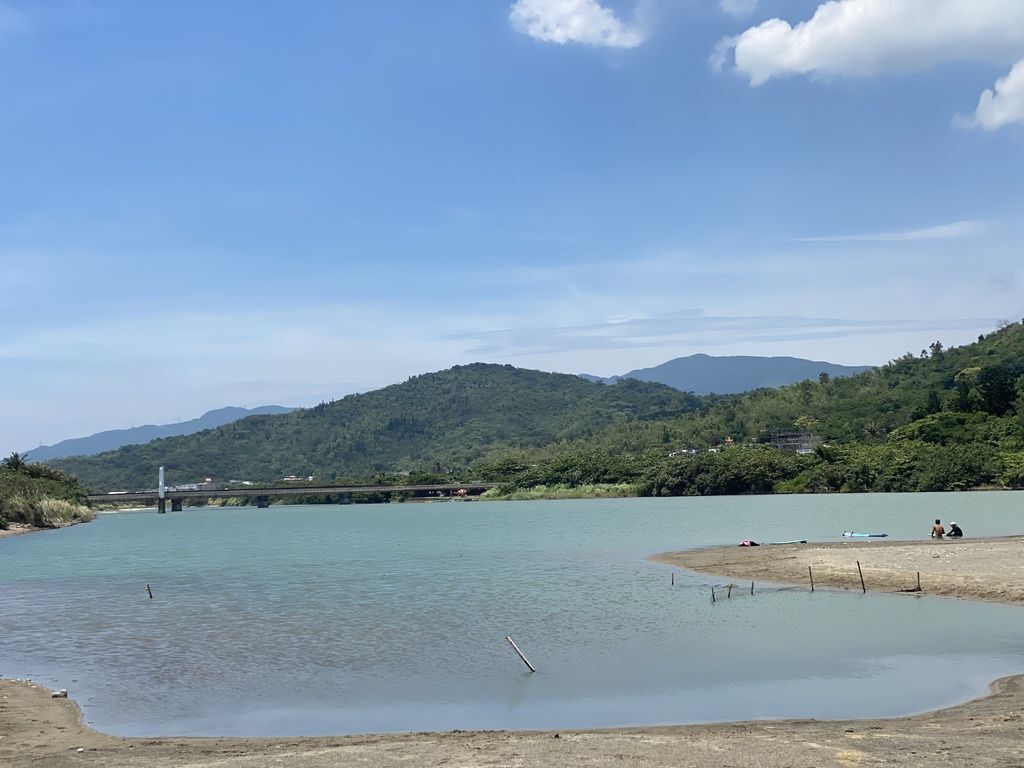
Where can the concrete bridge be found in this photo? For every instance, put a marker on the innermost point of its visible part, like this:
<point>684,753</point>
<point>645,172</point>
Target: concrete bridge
<point>261,496</point>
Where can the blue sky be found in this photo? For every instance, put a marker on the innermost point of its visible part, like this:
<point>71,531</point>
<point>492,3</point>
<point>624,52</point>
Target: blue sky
<point>242,202</point>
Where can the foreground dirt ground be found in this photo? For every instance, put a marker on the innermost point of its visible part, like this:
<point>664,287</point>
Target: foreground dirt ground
<point>980,569</point>
<point>42,732</point>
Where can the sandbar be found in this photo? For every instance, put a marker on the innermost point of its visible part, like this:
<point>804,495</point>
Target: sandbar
<point>978,569</point>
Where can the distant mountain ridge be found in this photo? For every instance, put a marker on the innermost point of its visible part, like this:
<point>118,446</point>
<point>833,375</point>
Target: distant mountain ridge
<point>728,375</point>
<point>433,422</point>
<point>115,438</point>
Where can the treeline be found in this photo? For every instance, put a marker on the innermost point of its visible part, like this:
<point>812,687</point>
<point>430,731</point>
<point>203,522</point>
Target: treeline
<point>894,467</point>
<point>34,494</point>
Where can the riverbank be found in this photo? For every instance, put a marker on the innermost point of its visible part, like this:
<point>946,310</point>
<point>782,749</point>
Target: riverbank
<point>979,569</point>
<point>39,730</point>
<point>16,529</point>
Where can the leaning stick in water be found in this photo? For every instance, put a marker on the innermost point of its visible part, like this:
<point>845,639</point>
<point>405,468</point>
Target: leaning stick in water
<point>522,656</point>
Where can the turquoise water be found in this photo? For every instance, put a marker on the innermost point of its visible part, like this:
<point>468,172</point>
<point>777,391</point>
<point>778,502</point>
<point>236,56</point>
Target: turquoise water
<point>318,620</point>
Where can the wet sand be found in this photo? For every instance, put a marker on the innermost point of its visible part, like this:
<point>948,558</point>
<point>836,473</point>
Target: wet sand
<point>979,569</point>
<point>43,732</point>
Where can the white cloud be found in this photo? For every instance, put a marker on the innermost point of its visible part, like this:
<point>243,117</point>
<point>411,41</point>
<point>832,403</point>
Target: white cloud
<point>738,8</point>
<point>939,232</point>
<point>872,37</point>
<point>1002,105</point>
<point>573,21</point>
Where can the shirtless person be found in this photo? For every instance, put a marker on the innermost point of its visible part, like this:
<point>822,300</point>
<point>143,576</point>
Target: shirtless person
<point>937,530</point>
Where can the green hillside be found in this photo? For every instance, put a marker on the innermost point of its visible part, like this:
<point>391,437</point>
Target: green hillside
<point>938,420</point>
<point>436,422</point>
<point>942,419</point>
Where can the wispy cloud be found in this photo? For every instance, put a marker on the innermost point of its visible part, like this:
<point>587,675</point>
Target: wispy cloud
<point>939,232</point>
<point>12,21</point>
<point>574,21</point>
<point>690,328</point>
<point>999,106</point>
<point>738,8</point>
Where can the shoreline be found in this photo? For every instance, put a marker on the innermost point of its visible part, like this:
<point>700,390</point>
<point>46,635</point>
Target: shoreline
<point>989,569</point>
<point>987,731</point>
<point>18,529</point>
<point>38,729</point>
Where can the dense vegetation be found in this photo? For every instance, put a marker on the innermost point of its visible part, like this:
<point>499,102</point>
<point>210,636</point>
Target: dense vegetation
<point>944,419</point>
<point>34,494</point>
<point>438,422</point>
<point>941,420</point>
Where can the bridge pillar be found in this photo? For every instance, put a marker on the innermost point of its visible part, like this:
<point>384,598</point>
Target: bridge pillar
<point>345,498</point>
<point>175,505</point>
<point>161,506</point>
<point>262,502</point>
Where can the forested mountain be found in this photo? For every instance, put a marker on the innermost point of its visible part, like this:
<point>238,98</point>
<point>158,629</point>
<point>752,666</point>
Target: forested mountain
<point>436,421</point>
<point>113,439</point>
<point>944,419</point>
<point>705,374</point>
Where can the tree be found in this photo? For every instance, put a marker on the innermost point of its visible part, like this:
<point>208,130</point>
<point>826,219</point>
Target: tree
<point>15,462</point>
<point>965,396</point>
<point>996,389</point>
<point>805,423</point>
<point>936,348</point>
<point>823,377</point>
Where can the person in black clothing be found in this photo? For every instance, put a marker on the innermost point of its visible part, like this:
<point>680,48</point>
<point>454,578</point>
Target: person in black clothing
<point>954,531</point>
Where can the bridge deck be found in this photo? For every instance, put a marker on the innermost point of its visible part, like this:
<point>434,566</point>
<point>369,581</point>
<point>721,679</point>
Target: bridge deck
<point>288,490</point>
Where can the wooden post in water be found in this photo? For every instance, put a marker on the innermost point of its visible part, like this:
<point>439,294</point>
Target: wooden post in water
<point>751,587</point>
<point>918,581</point>
<point>729,592</point>
<point>522,656</point>
<point>673,578</point>
<point>862,587</point>
<point>150,592</point>
<point>712,594</point>
<point>811,574</point>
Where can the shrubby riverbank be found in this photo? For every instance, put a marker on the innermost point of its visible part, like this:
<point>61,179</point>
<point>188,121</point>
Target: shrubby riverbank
<point>35,496</point>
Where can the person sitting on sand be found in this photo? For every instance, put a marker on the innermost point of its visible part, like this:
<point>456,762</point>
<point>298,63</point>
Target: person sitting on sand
<point>954,531</point>
<point>937,530</point>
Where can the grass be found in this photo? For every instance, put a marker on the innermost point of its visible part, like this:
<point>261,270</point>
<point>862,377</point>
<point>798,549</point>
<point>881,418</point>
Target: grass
<point>595,491</point>
<point>44,512</point>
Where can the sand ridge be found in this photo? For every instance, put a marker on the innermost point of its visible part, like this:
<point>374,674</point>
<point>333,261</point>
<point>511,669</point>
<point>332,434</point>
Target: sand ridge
<point>980,569</point>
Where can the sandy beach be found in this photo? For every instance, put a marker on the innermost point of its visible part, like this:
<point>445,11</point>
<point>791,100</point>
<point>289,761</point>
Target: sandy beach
<point>14,529</point>
<point>979,569</point>
<point>43,732</point>
<point>38,730</point>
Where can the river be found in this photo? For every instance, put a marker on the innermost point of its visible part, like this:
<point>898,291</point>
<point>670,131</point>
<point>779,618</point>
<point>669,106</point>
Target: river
<point>350,619</point>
